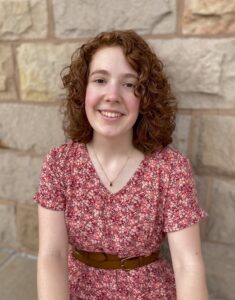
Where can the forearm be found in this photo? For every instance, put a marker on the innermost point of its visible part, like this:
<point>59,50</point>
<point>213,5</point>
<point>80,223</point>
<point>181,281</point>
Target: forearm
<point>191,283</point>
<point>52,278</point>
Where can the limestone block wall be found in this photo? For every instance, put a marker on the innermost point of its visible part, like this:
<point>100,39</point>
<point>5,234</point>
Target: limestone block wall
<point>196,41</point>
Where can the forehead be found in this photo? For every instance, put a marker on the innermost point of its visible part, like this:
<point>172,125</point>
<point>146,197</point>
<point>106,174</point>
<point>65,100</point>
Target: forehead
<point>110,58</point>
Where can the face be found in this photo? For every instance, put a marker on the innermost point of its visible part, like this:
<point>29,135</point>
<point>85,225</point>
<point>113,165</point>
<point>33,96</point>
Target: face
<point>110,104</point>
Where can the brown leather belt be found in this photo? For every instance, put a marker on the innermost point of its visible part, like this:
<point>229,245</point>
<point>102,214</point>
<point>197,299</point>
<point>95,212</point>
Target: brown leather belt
<point>103,260</point>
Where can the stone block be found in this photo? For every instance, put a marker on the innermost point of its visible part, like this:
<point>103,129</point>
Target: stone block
<point>220,270</point>
<point>181,133</point>
<point>214,145</point>
<point>95,16</point>
<point>28,127</point>
<point>39,70</point>
<point>221,221</point>
<point>19,175</point>
<point>7,82</point>
<point>7,225</point>
<point>23,19</point>
<point>203,186</point>
<point>27,227</point>
<point>209,17</point>
<point>201,72</point>
<point>18,278</point>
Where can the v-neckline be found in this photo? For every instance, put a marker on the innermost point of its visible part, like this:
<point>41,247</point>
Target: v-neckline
<point>102,185</point>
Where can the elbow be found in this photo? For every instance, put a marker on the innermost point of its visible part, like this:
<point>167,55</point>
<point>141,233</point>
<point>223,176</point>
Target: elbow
<point>189,266</point>
<point>52,256</point>
<point>53,252</point>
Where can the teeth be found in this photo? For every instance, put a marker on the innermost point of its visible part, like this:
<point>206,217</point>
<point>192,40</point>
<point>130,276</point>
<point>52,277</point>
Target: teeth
<point>110,114</point>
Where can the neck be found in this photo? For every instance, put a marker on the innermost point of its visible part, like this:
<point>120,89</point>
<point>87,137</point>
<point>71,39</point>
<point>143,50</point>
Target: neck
<point>112,148</point>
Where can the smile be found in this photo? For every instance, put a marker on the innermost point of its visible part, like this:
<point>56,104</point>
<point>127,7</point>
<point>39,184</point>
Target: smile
<point>110,114</point>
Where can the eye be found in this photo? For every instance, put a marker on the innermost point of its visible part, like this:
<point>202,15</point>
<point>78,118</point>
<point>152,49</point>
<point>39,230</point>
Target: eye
<point>99,80</point>
<point>129,85</point>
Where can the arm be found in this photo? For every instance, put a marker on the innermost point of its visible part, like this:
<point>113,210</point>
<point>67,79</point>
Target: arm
<point>185,248</point>
<point>52,274</point>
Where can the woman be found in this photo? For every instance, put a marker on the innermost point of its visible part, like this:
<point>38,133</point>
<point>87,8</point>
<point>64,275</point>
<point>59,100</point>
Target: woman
<point>111,194</point>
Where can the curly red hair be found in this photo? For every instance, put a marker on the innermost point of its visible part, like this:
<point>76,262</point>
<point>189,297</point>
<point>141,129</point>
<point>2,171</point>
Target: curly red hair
<point>156,121</point>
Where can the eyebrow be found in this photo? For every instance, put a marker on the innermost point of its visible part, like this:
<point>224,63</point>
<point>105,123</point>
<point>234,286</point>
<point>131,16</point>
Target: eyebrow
<point>105,72</point>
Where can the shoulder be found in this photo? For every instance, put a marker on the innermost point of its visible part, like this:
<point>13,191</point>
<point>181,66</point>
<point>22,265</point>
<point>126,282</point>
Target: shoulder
<point>64,153</point>
<point>170,156</point>
<point>68,148</point>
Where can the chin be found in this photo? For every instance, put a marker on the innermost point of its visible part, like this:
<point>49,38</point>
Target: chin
<point>113,135</point>
<point>109,135</point>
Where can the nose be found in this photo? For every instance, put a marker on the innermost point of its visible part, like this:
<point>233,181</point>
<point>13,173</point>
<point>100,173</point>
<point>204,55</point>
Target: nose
<point>113,93</point>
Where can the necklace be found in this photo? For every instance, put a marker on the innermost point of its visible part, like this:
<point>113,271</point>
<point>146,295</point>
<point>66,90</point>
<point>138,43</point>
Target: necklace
<point>111,181</point>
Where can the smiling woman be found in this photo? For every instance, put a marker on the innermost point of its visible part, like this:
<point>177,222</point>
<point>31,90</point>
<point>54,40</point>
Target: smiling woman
<point>110,103</point>
<point>151,130</point>
<point>111,194</point>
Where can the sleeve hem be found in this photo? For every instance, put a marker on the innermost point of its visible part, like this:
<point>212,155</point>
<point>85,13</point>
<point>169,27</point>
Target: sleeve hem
<point>45,205</point>
<point>178,227</point>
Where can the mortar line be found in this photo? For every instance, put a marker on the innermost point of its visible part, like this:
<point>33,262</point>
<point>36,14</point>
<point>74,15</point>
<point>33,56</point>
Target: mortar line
<point>179,9</point>
<point>82,39</point>
<point>8,259</point>
<point>16,75</point>
<point>50,20</point>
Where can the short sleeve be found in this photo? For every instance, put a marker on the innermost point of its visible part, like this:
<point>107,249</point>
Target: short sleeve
<point>181,207</point>
<point>50,191</point>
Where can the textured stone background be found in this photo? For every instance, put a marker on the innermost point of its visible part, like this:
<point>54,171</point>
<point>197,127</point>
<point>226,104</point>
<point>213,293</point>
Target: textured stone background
<point>196,41</point>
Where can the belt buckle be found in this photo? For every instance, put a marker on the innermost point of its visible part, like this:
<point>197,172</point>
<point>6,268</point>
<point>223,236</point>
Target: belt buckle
<point>123,260</point>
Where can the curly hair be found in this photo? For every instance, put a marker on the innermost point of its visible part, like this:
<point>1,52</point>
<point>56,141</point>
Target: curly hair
<point>156,120</point>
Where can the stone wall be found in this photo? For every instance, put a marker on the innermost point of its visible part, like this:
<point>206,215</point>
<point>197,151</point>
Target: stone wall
<point>196,41</point>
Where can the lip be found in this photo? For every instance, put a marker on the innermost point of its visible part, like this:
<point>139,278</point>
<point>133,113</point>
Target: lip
<point>109,119</point>
<point>110,110</point>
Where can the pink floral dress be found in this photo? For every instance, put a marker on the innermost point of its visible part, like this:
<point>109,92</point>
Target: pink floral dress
<point>160,197</point>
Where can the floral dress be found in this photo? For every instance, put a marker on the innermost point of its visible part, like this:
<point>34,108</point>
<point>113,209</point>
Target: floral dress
<point>160,197</point>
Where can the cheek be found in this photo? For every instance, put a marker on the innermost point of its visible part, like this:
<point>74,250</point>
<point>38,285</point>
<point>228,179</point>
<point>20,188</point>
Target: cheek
<point>134,105</point>
<point>90,98</point>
